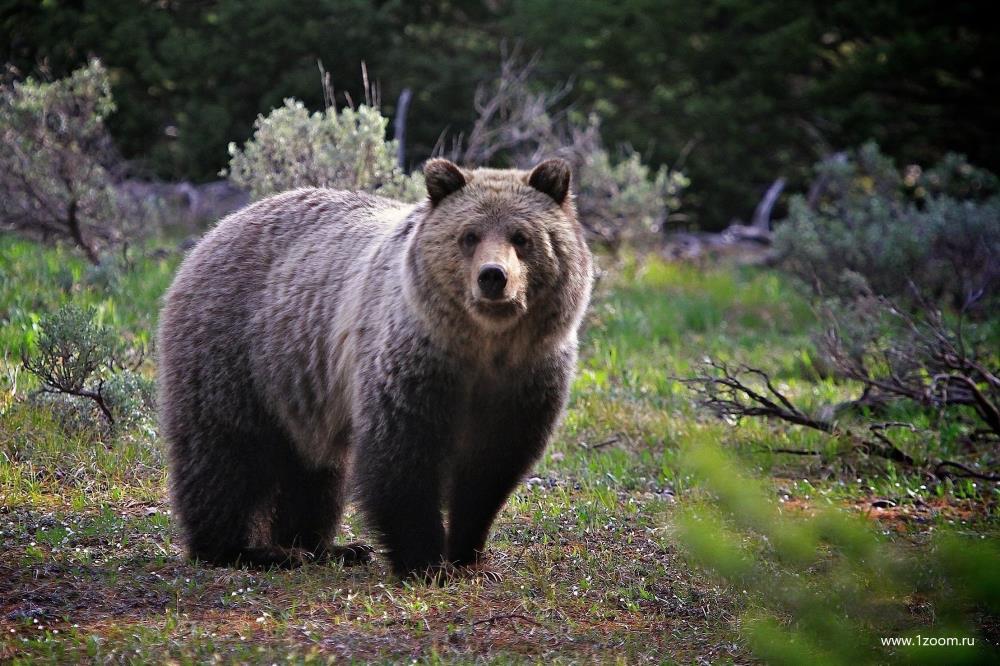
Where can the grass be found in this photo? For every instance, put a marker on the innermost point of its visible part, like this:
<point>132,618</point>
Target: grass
<point>90,569</point>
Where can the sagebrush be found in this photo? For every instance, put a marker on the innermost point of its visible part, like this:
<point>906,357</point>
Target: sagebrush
<point>58,167</point>
<point>868,228</point>
<point>76,356</point>
<point>343,149</point>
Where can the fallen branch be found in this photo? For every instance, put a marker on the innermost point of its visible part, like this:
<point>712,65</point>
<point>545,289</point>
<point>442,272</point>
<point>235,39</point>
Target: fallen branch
<point>614,439</point>
<point>926,360</point>
<point>884,447</point>
<point>508,616</point>
<point>729,396</point>
<point>967,471</point>
<point>744,391</point>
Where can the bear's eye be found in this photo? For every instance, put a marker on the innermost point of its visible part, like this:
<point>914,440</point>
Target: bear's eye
<point>519,239</point>
<point>470,238</point>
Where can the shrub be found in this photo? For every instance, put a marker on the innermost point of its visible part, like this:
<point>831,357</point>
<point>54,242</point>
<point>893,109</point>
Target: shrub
<point>343,149</point>
<point>76,356</point>
<point>868,228</point>
<point>953,176</point>
<point>619,200</point>
<point>825,587</point>
<point>131,397</point>
<point>626,201</point>
<point>57,163</point>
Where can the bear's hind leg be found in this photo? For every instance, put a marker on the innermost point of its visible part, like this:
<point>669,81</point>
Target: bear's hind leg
<point>223,489</point>
<point>309,507</point>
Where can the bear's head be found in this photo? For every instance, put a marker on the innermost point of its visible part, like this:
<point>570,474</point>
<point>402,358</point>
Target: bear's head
<point>503,247</point>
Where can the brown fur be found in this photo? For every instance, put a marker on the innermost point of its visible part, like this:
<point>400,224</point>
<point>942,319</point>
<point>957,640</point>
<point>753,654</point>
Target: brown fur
<point>317,333</point>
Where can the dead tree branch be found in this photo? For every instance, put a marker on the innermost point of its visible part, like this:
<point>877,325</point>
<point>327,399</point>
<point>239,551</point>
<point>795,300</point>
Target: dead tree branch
<point>762,214</point>
<point>966,471</point>
<point>729,396</point>
<point>734,393</point>
<point>922,357</point>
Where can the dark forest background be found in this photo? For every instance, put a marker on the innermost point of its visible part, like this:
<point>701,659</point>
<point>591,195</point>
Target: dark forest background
<point>736,92</point>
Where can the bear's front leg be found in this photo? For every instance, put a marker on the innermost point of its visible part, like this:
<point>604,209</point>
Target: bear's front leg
<point>510,427</point>
<point>403,432</point>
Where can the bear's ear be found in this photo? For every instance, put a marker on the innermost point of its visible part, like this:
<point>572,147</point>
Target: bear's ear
<point>443,178</point>
<point>551,177</point>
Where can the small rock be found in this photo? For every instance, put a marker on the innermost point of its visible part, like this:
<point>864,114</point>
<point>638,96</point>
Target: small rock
<point>25,614</point>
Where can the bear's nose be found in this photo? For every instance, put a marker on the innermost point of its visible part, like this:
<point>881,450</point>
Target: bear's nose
<point>492,280</point>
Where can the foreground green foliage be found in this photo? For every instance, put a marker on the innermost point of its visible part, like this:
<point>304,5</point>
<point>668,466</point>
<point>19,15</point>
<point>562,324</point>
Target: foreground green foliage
<point>826,587</point>
<point>597,548</point>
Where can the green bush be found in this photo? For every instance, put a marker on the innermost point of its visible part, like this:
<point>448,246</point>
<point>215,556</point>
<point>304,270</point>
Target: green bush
<point>343,149</point>
<point>825,588</point>
<point>953,176</point>
<point>868,228</point>
<point>76,357</point>
<point>131,397</point>
<point>58,166</point>
<point>625,201</point>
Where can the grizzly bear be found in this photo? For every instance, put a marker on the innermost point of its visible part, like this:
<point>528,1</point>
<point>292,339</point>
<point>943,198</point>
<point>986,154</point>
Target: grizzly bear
<point>319,344</point>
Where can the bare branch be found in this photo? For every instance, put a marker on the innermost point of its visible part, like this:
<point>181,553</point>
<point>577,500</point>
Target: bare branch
<point>729,396</point>
<point>743,391</point>
<point>966,471</point>
<point>917,356</point>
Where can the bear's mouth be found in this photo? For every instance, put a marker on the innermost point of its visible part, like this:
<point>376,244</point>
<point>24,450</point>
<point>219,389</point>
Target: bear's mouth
<point>498,310</point>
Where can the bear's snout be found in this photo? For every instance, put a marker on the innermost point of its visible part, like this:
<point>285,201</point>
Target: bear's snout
<point>492,281</point>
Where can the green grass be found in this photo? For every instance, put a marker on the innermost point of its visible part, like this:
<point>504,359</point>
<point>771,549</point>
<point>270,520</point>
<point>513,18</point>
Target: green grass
<point>90,569</point>
<point>34,281</point>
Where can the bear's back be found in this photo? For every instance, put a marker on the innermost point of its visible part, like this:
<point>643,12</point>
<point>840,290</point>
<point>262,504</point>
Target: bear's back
<point>252,302</point>
<point>268,229</point>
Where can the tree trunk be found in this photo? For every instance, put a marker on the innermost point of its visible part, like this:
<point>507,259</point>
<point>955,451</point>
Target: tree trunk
<point>73,222</point>
<point>399,126</point>
<point>762,215</point>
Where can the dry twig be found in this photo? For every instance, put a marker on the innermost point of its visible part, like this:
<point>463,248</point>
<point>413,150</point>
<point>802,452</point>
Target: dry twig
<point>506,616</point>
<point>926,361</point>
<point>744,391</point>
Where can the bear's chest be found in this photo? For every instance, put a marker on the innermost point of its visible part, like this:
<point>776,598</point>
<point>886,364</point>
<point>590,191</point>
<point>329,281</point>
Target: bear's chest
<point>487,400</point>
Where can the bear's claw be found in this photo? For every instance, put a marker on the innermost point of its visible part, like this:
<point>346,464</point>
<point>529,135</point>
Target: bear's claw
<point>349,554</point>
